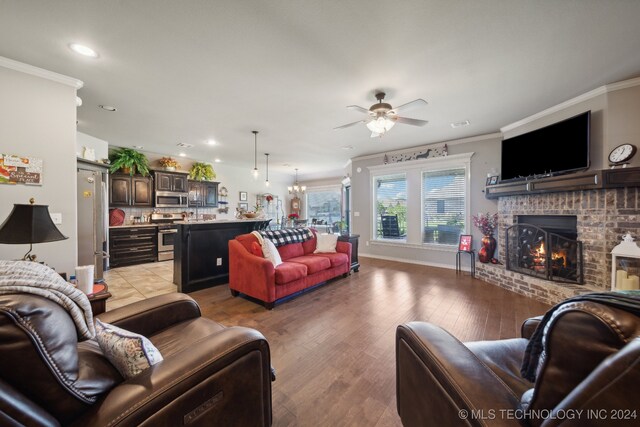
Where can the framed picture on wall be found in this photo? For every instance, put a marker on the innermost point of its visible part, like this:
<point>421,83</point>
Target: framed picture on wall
<point>243,206</point>
<point>243,196</point>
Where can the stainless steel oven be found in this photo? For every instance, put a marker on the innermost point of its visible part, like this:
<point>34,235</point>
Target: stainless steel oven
<point>166,236</point>
<point>171,199</point>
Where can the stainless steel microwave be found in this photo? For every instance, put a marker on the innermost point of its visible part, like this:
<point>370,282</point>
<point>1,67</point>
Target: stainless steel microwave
<point>171,199</point>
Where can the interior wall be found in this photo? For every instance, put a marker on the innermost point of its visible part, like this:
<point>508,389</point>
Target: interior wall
<point>100,147</point>
<point>486,160</point>
<point>623,126</point>
<point>38,119</point>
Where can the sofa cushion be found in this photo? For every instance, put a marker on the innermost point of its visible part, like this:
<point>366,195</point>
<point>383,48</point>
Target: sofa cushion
<point>246,240</point>
<point>314,263</point>
<point>291,250</point>
<point>326,243</point>
<point>129,352</point>
<point>336,259</point>
<point>289,271</point>
<point>271,253</point>
<point>310,245</point>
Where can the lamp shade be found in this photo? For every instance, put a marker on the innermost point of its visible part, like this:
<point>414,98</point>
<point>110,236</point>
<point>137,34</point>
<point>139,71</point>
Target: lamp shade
<point>29,224</point>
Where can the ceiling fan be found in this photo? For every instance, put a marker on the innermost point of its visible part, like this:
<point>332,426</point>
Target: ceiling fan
<point>382,116</point>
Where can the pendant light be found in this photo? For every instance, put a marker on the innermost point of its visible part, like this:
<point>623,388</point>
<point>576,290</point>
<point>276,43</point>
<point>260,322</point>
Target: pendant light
<point>254,172</point>
<point>266,182</point>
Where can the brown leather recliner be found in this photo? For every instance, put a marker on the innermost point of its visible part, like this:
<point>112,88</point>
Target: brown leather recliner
<point>588,373</point>
<point>210,375</point>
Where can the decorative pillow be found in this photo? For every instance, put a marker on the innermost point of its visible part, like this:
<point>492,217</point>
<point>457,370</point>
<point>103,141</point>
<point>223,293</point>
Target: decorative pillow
<point>256,249</point>
<point>271,253</point>
<point>129,352</point>
<point>326,243</point>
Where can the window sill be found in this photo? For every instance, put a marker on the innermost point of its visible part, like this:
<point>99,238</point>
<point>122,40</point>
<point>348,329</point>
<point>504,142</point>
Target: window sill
<point>403,244</point>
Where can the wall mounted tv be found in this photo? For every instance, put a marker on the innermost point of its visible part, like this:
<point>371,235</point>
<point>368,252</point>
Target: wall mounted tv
<point>559,148</point>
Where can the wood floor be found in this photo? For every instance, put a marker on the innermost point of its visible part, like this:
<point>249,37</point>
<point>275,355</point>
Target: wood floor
<point>334,348</point>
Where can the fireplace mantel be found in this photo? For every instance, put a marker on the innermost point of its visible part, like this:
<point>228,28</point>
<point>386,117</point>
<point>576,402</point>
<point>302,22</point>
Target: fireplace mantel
<point>590,180</point>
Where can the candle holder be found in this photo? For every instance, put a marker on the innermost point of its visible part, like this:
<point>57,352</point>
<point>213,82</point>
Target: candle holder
<point>625,265</point>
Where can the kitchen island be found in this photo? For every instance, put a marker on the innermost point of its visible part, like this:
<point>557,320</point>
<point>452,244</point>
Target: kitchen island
<point>201,251</point>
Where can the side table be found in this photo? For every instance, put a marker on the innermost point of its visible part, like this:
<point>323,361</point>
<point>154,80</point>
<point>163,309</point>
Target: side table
<point>98,298</point>
<point>353,239</point>
<point>472,254</point>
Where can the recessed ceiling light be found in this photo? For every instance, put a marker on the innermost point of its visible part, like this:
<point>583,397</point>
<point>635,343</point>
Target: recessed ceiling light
<point>83,50</point>
<point>460,124</point>
<point>211,142</point>
<point>347,147</point>
<point>108,108</point>
<point>182,155</point>
<point>217,160</point>
<point>138,147</point>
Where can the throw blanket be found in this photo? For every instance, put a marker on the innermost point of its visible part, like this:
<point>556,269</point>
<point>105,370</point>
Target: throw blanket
<point>26,277</point>
<point>629,301</point>
<point>288,235</point>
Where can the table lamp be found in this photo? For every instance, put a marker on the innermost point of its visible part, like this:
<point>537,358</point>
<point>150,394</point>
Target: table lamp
<point>29,224</point>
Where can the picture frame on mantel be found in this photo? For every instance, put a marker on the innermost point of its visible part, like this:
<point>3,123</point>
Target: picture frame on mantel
<point>243,196</point>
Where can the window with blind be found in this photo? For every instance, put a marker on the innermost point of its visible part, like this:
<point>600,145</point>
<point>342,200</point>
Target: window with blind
<point>443,209</point>
<point>390,193</point>
<point>324,206</point>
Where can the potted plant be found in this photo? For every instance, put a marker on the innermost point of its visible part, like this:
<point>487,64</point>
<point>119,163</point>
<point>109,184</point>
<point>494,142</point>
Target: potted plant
<point>130,161</point>
<point>201,171</point>
<point>169,163</point>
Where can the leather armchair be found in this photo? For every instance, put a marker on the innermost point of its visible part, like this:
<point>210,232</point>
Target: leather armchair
<point>590,361</point>
<point>210,375</point>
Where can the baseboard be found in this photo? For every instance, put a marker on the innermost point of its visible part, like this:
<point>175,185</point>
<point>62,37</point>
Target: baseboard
<point>407,261</point>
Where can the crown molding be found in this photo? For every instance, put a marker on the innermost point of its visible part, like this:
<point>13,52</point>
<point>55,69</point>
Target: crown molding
<point>40,72</point>
<point>602,90</point>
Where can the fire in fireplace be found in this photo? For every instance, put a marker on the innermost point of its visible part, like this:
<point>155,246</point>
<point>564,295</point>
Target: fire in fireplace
<point>542,251</point>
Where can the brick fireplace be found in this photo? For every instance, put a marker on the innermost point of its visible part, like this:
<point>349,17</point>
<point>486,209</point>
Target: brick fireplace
<point>602,217</point>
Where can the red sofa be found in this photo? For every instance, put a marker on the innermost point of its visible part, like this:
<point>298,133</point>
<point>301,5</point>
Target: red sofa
<point>256,276</point>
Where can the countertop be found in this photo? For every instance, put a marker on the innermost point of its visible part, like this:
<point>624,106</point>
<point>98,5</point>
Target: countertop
<point>145,224</point>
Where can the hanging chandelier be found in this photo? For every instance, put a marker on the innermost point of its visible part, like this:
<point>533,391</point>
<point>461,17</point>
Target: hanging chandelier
<point>254,172</point>
<point>297,188</point>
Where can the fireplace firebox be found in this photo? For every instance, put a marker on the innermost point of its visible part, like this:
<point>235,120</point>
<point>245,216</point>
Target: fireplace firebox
<point>545,246</point>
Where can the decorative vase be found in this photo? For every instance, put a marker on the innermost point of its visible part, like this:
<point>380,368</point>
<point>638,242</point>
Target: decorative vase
<point>485,254</point>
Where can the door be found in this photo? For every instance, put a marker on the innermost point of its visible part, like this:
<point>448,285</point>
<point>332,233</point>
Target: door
<point>141,191</point>
<point>179,183</point>
<point>211,194</point>
<point>119,190</point>
<point>163,181</point>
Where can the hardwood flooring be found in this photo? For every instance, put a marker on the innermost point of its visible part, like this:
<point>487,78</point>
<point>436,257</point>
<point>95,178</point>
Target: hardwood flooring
<point>334,348</point>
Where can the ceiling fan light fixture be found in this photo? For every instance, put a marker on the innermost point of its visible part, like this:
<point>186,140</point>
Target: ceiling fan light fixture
<point>380,125</point>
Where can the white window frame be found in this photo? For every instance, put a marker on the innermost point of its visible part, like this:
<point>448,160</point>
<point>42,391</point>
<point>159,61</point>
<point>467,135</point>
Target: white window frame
<point>374,211</point>
<point>415,215</point>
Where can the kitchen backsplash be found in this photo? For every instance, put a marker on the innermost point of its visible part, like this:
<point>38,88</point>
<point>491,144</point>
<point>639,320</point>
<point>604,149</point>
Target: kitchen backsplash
<point>144,214</point>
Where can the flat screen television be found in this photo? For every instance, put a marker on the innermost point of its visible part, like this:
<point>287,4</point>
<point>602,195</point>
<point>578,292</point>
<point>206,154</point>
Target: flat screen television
<point>559,148</point>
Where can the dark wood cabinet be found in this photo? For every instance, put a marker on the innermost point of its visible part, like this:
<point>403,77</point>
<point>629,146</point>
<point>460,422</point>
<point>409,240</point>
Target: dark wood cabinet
<point>353,239</point>
<point>166,181</point>
<point>203,194</point>
<point>132,245</point>
<point>127,190</point>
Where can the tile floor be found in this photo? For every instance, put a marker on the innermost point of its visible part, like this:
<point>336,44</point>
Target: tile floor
<point>138,282</point>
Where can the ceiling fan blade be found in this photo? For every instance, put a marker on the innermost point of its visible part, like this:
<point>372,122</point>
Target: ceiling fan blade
<point>358,108</point>
<point>350,124</point>
<point>415,103</point>
<point>407,121</point>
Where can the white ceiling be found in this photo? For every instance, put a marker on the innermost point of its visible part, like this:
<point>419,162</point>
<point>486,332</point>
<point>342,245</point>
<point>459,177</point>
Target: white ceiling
<point>188,71</point>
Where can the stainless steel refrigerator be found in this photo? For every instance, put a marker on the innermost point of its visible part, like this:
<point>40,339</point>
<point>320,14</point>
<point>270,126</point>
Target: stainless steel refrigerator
<point>93,216</point>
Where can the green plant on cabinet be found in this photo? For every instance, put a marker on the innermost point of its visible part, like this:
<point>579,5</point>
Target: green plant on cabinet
<point>201,171</point>
<point>128,158</point>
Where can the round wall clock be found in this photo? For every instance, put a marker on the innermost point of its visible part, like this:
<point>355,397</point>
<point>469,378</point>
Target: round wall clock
<point>622,153</point>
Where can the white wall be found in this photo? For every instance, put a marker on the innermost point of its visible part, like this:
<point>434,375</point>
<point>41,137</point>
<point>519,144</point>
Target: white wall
<point>486,157</point>
<point>38,119</point>
<point>100,147</point>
